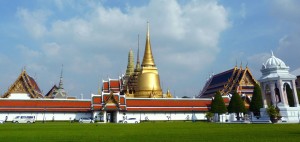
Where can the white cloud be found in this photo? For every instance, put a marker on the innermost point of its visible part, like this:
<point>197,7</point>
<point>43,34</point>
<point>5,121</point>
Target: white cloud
<point>28,52</point>
<point>51,49</point>
<point>34,21</point>
<point>288,45</point>
<point>96,41</point>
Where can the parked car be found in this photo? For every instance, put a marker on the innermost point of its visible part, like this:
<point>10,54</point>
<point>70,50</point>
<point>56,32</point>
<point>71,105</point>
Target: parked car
<point>86,120</point>
<point>24,119</point>
<point>131,120</point>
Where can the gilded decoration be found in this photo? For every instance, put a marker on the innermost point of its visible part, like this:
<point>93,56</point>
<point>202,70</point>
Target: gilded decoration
<point>18,88</point>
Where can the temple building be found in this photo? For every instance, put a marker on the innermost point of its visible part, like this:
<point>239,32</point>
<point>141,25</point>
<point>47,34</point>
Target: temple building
<point>138,94</point>
<point>24,87</point>
<point>234,80</point>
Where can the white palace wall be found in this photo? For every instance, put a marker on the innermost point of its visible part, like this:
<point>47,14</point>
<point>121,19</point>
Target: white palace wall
<point>46,116</point>
<point>155,116</point>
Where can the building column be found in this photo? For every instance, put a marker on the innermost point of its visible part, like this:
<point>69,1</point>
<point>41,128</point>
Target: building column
<point>117,116</point>
<point>272,89</point>
<point>104,116</point>
<point>281,93</point>
<point>265,105</point>
<point>285,95</point>
<point>295,94</point>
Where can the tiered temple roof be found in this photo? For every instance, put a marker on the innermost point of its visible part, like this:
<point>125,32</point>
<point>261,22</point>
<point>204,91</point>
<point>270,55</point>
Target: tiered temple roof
<point>113,85</point>
<point>227,82</point>
<point>24,84</point>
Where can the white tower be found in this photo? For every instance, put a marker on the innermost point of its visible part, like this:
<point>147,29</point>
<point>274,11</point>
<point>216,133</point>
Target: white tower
<point>275,81</point>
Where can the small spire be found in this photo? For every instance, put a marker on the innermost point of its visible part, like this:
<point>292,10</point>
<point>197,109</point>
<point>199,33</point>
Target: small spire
<point>99,87</point>
<point>241,66</point>
<point>235,62</point>
<point>138,64</point>
<point>61,78</point>
<point>130,65</point>
<point>272,53</point>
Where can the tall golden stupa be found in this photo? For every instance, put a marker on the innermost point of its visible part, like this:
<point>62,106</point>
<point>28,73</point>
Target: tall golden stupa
<point>148,82</point>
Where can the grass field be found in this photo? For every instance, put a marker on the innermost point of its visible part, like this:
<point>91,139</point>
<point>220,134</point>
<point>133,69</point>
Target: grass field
<point>150,131</point>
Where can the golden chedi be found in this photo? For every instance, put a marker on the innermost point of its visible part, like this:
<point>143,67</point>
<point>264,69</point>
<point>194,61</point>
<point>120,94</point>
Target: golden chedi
<point>148,83</point>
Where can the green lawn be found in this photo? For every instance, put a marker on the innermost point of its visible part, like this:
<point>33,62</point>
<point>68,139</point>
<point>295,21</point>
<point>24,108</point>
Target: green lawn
<point>150,131</point>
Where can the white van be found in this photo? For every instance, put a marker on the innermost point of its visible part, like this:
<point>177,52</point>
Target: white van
<point>24,119</point>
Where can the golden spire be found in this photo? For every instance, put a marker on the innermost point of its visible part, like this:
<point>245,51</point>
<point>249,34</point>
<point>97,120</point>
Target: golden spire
<point>130,65</point>
<point>138,64</point>
<point>148,82</point>
<point>148,57</point>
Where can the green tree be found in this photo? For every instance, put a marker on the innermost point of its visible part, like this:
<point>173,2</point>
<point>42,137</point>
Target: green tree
<point>290,96</point>
<point>218,105</point>
<point>256,101</point>
<point>236,105</point>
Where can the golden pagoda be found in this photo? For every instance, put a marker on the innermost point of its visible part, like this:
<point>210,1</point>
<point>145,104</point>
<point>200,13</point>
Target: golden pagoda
<point>148,82</point>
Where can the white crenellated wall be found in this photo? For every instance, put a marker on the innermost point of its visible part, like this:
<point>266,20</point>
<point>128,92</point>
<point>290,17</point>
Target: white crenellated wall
<point>157,116</point>
<point>46,116</point>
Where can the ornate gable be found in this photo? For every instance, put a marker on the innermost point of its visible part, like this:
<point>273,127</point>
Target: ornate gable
<point>247,79</point>
<point>111,102</point>
<point>24,84</point>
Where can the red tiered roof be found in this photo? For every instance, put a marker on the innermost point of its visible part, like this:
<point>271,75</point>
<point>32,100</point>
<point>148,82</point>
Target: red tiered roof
<point>105,86</point>
<point>114,84</point>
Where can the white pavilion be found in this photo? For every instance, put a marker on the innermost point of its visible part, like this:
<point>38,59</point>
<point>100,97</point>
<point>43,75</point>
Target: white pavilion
<point>275,81</point>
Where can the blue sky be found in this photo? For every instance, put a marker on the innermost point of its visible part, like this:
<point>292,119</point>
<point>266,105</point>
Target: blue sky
<point>190,39</point>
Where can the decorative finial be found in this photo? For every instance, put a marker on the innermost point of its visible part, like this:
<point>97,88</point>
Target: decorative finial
<point>138,65</point>
<point>148,29</point>
<point>272,53</point>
